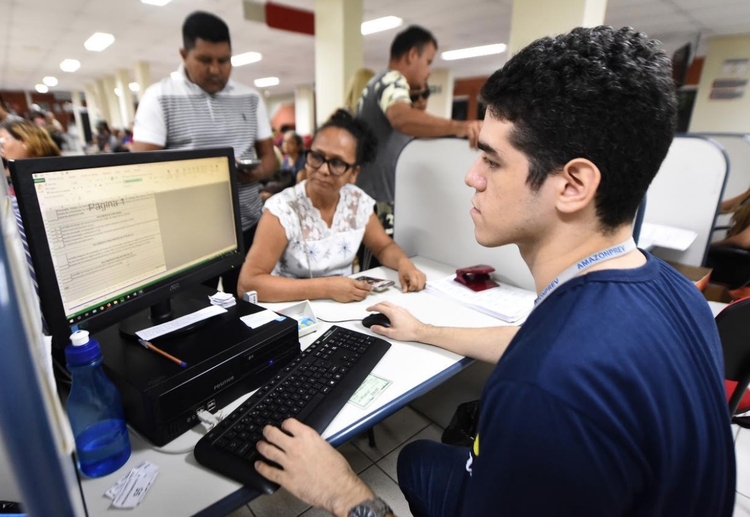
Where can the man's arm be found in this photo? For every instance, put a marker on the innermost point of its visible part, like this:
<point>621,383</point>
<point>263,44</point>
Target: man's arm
<point>414,122</point>
<point>149,127</point>
<point>484,344</point>
<point>138,147</point>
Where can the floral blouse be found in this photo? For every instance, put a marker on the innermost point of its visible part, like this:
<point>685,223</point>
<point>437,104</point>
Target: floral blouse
<point>314,249</point>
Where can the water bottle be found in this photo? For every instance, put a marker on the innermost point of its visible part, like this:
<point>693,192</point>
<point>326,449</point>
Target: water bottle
<point>95,410</point>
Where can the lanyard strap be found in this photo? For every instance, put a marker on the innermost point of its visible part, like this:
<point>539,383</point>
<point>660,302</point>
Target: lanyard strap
<point>582,265</point>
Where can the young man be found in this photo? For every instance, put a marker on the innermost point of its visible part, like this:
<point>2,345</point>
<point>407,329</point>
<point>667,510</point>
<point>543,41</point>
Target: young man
<point>609,400</point>
<point>201,107</point>
<point>385,105</point>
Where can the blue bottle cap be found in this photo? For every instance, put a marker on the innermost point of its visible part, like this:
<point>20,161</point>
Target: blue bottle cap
<point>82,349</point>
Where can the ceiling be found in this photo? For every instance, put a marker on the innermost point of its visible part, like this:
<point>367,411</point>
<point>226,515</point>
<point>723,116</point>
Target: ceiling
<point>36,35</point>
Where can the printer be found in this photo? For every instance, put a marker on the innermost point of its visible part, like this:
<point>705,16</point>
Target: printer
<point>225,359</point>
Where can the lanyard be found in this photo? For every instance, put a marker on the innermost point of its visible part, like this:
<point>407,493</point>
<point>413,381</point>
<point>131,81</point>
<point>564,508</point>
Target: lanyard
<point>582,265</point>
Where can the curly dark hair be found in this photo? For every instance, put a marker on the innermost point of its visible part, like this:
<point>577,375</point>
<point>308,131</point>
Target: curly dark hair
<point>367,143</point>
<point>600,93</point>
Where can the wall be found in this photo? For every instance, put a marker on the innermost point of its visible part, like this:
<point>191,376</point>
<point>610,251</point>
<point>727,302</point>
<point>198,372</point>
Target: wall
<point>469,88</point>
<point>440,102</point>
<point>722,115</point>
<point>17,101</point>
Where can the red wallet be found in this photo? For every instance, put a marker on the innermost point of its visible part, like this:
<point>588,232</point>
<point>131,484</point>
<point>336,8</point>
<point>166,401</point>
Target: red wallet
<point>477,278</point>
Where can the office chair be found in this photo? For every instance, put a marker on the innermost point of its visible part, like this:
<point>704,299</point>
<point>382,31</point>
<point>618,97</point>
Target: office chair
<point>733,324</point>
<point>731,266</point>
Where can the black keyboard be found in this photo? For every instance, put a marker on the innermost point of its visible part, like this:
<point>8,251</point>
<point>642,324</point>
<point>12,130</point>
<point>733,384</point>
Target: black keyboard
<point>312,389</point>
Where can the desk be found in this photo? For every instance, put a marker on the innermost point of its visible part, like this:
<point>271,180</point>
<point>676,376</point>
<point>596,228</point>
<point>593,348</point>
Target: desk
<point>185,488</point>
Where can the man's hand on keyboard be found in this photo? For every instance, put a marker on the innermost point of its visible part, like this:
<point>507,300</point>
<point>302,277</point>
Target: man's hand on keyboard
<point>404,326</point>
<point>313,471</point>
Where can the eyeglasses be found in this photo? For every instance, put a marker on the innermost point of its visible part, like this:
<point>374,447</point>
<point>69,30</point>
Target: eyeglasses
<point>336,166</point>
<point>424,94</point>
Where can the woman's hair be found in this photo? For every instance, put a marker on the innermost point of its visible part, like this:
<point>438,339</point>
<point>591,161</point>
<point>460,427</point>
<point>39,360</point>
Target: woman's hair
<point>366,142</point>
<point>357,83</point>
<point>297,139</point>
<point>36,139</point>
<point>740,217</point>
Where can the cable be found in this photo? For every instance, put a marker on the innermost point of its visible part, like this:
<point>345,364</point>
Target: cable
<point>211,420</point>
<point>338,321</point>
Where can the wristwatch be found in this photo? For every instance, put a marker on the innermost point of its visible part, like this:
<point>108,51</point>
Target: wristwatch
<point>371,508</point>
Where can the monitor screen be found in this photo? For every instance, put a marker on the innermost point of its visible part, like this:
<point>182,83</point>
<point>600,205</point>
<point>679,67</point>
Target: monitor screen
<point>110,235</point>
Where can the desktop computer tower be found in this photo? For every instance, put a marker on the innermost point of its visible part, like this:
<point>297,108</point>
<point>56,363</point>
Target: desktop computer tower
<point>225,359</point>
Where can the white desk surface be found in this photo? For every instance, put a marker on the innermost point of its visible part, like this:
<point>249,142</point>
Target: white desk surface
<point>184,488</point>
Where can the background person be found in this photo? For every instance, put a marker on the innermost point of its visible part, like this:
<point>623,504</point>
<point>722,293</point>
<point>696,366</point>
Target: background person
<point>309,234</point>
<point>419,97</point>
<point>386,106</point>
<point>203,107</point>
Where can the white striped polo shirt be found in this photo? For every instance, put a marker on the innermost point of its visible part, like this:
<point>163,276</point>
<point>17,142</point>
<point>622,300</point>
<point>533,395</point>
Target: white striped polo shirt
<point>176,113</point>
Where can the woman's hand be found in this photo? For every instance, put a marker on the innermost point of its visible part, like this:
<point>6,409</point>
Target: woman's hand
<point>411,278</point>
<point>404,326</point>
<point>344,289</point>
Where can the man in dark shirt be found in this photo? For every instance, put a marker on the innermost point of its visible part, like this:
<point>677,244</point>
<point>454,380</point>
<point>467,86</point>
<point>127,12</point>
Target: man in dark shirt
<point>609,400</point>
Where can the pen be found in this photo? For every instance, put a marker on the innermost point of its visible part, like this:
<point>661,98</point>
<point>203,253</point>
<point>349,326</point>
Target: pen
<point>172,358</point>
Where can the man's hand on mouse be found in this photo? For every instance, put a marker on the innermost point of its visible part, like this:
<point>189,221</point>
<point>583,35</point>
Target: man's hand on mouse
<point>404,326</point>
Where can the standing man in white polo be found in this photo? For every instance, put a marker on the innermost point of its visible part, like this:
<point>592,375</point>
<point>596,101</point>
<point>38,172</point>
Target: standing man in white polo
<point>200,107</point>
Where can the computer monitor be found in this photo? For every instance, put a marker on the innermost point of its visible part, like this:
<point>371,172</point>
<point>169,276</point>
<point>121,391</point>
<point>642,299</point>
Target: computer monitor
<point>113,234</point>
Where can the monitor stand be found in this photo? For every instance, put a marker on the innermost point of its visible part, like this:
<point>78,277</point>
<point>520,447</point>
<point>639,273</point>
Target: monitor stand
<point>177,306</point>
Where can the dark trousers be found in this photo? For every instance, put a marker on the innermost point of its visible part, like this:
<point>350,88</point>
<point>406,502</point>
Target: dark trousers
<point>230,278</point>
<point>433,478</point>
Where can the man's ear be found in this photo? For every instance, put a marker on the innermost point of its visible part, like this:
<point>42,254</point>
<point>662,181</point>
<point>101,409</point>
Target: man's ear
<point>183,54</point>
<point>577,185</point>
<point>412,55</point>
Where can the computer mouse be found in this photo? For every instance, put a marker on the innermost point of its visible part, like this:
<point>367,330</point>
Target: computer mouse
<point>376,318</point>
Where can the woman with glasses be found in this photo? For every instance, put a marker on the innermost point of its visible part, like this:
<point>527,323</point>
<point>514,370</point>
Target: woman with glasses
<point>419,97</point>
<point>309,234</point>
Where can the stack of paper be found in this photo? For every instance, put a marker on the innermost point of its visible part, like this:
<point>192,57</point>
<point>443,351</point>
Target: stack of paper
<point>222,299</point>
<point>505,302</point>
<point>665,237</point>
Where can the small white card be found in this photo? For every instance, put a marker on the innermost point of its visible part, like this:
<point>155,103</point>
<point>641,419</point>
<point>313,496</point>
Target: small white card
<point>368,391</point>
<point>260,318</point>
<point>181,322</point>
<point>130,490</point>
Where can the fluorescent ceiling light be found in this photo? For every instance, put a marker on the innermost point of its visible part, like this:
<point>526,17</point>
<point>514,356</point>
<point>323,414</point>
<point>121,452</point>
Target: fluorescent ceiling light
<point>50,81</point>
<point>265,82</point>
<point>118,92</point>
<point>99,41</point>
<point>246,58</point>
<point>486,50</point>
<point>41,88</point>
<point>158,3</point>
<point>380,24</point>
<point>134,87</point>
<point>70,65</point>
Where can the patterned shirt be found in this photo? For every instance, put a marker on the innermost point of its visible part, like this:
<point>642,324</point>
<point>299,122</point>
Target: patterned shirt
<point>313,249</point>
<point>176,113</point>
<point>384,90</point>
